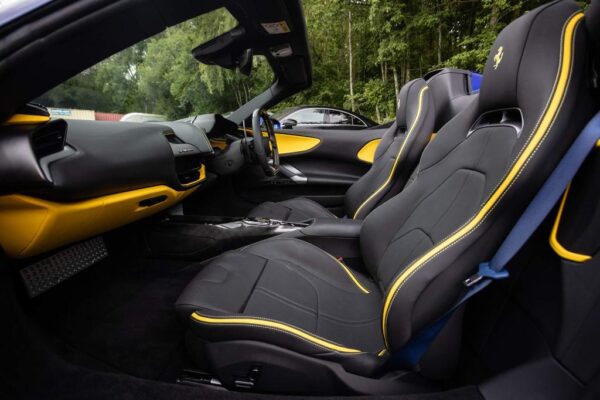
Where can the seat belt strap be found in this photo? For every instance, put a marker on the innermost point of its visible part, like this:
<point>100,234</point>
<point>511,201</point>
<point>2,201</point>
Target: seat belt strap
<point>530,220</point>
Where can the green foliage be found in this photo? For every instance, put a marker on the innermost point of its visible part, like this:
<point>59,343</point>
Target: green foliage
<point>393,41</point>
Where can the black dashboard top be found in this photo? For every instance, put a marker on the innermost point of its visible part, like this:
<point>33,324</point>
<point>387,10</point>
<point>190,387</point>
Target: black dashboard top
<point>215,125</point>
<point>75,160</point>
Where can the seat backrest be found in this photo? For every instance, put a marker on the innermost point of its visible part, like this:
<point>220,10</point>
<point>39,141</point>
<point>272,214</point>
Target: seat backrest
<point>451,91</point>
<point>398,152</point>
<point>478,175</point>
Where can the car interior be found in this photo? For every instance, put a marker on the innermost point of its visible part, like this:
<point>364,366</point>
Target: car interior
<point>226,258</point>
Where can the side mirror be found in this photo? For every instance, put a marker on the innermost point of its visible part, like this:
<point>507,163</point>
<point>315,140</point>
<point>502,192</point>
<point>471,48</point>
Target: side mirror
<point>245,62</point>
<point>289,123</point>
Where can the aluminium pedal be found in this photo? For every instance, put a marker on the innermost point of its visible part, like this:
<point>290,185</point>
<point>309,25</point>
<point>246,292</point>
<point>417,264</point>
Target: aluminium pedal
<point>50,271</point>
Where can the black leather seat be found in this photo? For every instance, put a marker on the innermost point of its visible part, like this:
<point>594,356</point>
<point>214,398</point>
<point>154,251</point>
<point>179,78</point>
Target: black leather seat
<point>310,323</point>
<point>396,157</point>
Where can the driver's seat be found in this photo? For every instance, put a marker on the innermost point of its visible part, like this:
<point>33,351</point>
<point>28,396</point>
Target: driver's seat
<point>396,157</point>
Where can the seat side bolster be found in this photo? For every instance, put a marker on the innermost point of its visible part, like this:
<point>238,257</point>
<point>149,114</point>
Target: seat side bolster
<point>263,326</point>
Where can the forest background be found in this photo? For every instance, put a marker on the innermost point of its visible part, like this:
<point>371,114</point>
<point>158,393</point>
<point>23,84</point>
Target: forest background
<point>362,52</point>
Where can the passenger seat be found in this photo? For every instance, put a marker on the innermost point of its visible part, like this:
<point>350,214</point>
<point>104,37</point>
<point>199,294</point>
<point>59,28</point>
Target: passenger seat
<point>396,157</point>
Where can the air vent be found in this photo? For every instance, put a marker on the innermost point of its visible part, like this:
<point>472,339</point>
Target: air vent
<point>49,139</point>
<point>172,138</point>
<point>188,168</point>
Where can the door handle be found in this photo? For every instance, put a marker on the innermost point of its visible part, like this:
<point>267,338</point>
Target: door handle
<point>293,173</point>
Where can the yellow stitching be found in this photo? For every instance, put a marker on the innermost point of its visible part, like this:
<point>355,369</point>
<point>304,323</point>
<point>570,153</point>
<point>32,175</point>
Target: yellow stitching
<point>389,178</point>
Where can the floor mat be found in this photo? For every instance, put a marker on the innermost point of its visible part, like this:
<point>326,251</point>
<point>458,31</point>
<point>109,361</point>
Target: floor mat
<point>122,314</point>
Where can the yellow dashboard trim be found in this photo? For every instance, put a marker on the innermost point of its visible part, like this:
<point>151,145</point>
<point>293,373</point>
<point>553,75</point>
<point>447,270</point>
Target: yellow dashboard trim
<point>26,119</point>
<point>367,152</point>
<point>201,178</point>
<point>30,226</point>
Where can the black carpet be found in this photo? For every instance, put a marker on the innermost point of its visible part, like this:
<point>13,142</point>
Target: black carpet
<point>111,333</point>
<point>121,314</point>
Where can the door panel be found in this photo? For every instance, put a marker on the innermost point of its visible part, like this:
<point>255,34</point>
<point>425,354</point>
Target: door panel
<point>294,144</point>
<point>367,152</point>
<point>320,164</point>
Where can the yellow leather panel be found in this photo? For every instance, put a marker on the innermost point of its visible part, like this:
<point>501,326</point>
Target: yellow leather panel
<point>291,144</point>
<point>25,119</point>
<point>31,226</point>
<point>367,152</point>
<point>555,244</point>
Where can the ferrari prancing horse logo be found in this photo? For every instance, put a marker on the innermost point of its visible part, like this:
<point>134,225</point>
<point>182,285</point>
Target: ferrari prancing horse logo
<point>498,57</point>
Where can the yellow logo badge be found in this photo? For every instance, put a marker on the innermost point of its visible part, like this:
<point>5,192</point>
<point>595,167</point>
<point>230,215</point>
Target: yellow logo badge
<point>498,57</point>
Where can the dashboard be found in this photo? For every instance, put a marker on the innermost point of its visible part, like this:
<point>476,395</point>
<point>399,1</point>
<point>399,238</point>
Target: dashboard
<point>63,181</point>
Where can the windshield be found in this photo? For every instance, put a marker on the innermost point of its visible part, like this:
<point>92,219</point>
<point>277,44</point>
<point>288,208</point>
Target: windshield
<point>13,9</point>
<point>159,79</point>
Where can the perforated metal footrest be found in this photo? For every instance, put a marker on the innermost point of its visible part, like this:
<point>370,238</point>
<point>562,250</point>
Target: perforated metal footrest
<point>49,272</point>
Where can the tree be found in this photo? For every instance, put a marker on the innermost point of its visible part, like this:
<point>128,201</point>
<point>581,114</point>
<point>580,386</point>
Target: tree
<point>362,52</point>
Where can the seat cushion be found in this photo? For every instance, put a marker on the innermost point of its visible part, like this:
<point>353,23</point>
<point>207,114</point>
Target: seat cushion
<point>298,209</point>
<point>288,293</point>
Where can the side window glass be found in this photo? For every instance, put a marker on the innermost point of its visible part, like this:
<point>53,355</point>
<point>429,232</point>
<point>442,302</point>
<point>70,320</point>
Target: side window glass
<point>339,118</point>
<point>357,122</point>
<point>309,117</point>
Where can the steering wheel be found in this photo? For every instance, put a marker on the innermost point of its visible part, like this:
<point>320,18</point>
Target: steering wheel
<point>265,150</point>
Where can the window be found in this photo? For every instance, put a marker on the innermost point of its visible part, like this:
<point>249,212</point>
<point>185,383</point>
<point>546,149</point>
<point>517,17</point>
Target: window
<point>357,121</point>
<point>312,116</point>
<point>339,118</point>
<point>13,9</point>
<point>158,79</point>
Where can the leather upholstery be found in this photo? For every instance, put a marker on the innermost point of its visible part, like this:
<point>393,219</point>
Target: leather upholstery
<point>295,283</point>
<point>297,209</point>
<point>398,152</point>
<point>396,156</point>
<point>472,184</point>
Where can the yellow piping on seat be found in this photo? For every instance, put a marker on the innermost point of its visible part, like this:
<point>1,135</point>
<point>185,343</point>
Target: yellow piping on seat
<point>393,170</point>
<point>543,126</point>
<point>274,325</point>
<point>554,243</point>
<point>350,274</point>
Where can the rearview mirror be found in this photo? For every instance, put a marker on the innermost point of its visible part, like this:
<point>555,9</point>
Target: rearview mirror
<point>289,123</point>
<point>245,62</point>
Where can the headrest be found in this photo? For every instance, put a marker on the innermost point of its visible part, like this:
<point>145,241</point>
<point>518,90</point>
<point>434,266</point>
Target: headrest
<point>449,88</point>
<point>408,102</point>
<point>523,62</point>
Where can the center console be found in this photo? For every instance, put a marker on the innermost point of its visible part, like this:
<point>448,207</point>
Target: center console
<point>200,237</point>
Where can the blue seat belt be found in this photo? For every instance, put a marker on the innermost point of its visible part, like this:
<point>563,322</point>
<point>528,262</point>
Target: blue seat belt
<point>530,220</point>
